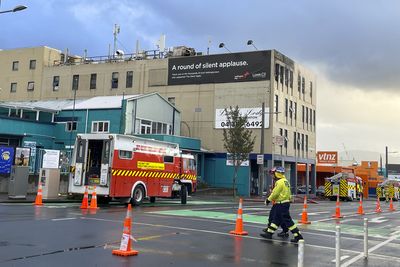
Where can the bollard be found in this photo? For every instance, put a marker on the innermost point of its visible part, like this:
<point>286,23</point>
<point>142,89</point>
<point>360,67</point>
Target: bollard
<point>300,255</point>
<point>366,238</point>
<point>337,239</point>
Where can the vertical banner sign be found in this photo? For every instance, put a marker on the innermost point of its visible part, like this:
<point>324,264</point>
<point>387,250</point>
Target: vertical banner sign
<point>6,159</point>
<point>223,68</point>
<point>32,161</point>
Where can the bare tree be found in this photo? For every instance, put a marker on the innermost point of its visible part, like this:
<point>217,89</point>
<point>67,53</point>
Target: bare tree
<point>238,140</point>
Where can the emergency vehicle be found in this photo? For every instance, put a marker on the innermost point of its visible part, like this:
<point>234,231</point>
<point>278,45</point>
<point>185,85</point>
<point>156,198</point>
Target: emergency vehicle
<point>389,188</point>
<point>346,185</point>
<point>130,168</point>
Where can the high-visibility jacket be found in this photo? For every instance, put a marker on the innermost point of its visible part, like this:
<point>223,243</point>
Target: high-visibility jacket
<point>281,191</point>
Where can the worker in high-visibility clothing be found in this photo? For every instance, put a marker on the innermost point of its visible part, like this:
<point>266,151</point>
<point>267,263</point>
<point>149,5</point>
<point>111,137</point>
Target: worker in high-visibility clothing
<point>281,194</point>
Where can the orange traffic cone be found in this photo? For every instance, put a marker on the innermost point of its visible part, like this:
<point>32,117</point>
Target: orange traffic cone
<point>126,240</point>
<point>239,221</point>
<point>85,200</point>
<point>337,214</point>
<point>391,208</point>
<point>304,215</point>
<point>38,200</point>
<point>93,202</point>
<point>378,206</point>
<point>360,208</point>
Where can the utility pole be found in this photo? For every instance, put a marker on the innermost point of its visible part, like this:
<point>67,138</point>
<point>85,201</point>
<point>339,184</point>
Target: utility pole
<point>386,161</point>
<point>261,166</point>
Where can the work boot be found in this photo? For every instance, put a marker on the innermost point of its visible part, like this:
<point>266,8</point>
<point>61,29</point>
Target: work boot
<point>266,235</point>
<point>265,230</point>
<point>297,238</point>
<point>283,234</point>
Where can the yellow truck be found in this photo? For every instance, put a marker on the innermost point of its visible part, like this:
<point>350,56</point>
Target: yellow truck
<point>388,189</point>
<point>346,185</point>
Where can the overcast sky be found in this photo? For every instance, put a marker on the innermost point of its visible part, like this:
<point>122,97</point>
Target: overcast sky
<point>353,46</point>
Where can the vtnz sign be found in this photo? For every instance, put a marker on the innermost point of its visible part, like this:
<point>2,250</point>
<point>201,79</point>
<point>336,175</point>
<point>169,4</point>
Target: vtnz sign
<point>327,157</point>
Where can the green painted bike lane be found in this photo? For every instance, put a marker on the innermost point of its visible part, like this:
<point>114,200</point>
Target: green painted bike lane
<point>256,219</point>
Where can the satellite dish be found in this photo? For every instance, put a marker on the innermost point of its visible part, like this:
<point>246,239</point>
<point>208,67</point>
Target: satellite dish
<point>119,52</point>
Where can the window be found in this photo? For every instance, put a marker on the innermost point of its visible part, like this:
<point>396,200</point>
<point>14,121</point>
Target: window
<point>100,126</point>
<point>311,88</point>
<point>298,141</point>
<point>302,119</point>
<point>114,80</point>
<point>291,79</point>
<point>295,111</point>
<point>286,139</point>
<point>75,82</point>
<point>314,118</point>
<point>93,78</point>
<point>291,109</point>
<point>129,79</point>
<point>13,88</point>
<point>276,106</point>
<point>168,159</point>
<point>70,126</point>
<point>303,85</point>
<point>306,117</point>
<point>282,71</point>
<point>31,86</point>
<point>159,128</point>
<point>171,100</point>
<point>294,140</point>
<point>286,107</point>
<point>145,127</point>
<point>307,143</point>
<point>15,65</point>
<point>276,72</point>
<point>286,76</point>
<point>302,142</point>
<point>124,154</point>
<point>56,83</point>
<point>32,64</point>
<point>299,83</point>
<point>311,119</point>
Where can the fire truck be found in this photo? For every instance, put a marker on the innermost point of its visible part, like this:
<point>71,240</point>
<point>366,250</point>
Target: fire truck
<point>129,168</point>
<point>388,188</point>
<point>346,185</point>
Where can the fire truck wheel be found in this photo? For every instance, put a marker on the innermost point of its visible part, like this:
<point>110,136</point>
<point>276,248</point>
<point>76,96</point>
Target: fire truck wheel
<point>138,195</point>
<point>152,199</point>
<point>183,194</point>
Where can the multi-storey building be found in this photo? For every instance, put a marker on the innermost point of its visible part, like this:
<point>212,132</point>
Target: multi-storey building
<point>201,87</point>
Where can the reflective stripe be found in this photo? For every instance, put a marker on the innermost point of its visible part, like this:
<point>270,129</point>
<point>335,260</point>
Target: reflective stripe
<point>275,226</point>
<point>296,234</point>
<point>284,201</point>
<point>270,230</point>
<point>292,227</point>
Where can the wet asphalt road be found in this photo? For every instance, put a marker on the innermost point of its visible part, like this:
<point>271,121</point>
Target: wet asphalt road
<point>170,234</point>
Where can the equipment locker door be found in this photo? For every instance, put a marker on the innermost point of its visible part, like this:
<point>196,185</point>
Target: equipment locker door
<point>80,171</point>
<point>105,163</point>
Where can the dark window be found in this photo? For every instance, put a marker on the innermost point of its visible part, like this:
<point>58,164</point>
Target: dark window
<point>282,72</point>
<point>129,79</point>
<point>286,76</point>
<point>311,88</point>
<point>13,87</point>
<point>168,159</point>
<point>114,80</point>
<point>276,72</point>
<point>294,140</point>
<point>311,118</point>
<point>93,80</point>
<point>56,83</point>
<point>75,82</point>
<point>314,118</point>
<point>15,65</point>
<point>299,83</point>
<point>32,64</point>
<point>291,109</point>
<point>298,141</point>
<point>291,79</point>
<point>302,142</point>
<point>31,86</point>
<point>125,154</point>
<point>307,143</point>
<point>302,119</point>
<point>286,138</point>
<point>306,117</point>
<point>295,111</point>
<point>286,107</point>
<point>276,106</point>
<point>70,126</point>
<point>303,85</point>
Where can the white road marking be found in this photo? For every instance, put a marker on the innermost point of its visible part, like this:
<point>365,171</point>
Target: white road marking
<point>63,219</point>
<point>361,255</point>
<point>341,258</point>
<point>378,220</point>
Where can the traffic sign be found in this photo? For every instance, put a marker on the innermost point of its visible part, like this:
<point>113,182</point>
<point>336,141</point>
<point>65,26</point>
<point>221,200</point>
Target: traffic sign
<point>260,159</point>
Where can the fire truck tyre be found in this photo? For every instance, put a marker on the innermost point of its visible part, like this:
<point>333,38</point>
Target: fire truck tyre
<point>104,200</point>
<point>152,199</point>
<point>183,194</point>
<point>138,195</point>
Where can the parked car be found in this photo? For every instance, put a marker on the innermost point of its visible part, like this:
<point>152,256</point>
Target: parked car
<point>301,189</point>
<point>320,191</point>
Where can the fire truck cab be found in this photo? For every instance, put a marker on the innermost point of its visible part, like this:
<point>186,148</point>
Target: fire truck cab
<point>129,168</point>
<point>388,188</point>
<point>346,185</point>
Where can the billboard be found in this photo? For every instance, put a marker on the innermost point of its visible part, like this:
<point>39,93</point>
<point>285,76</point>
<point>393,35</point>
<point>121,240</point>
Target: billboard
<point>6,159</point>
<point>51,159</point>
<point>22,156</point>
<point>254,118</point>
<point>223,68</point>
<point>327,157</point>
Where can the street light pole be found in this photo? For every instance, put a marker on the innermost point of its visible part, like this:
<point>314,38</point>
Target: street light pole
<point>15,9</point>
<point>386,161</point>
<point>261,166</point>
